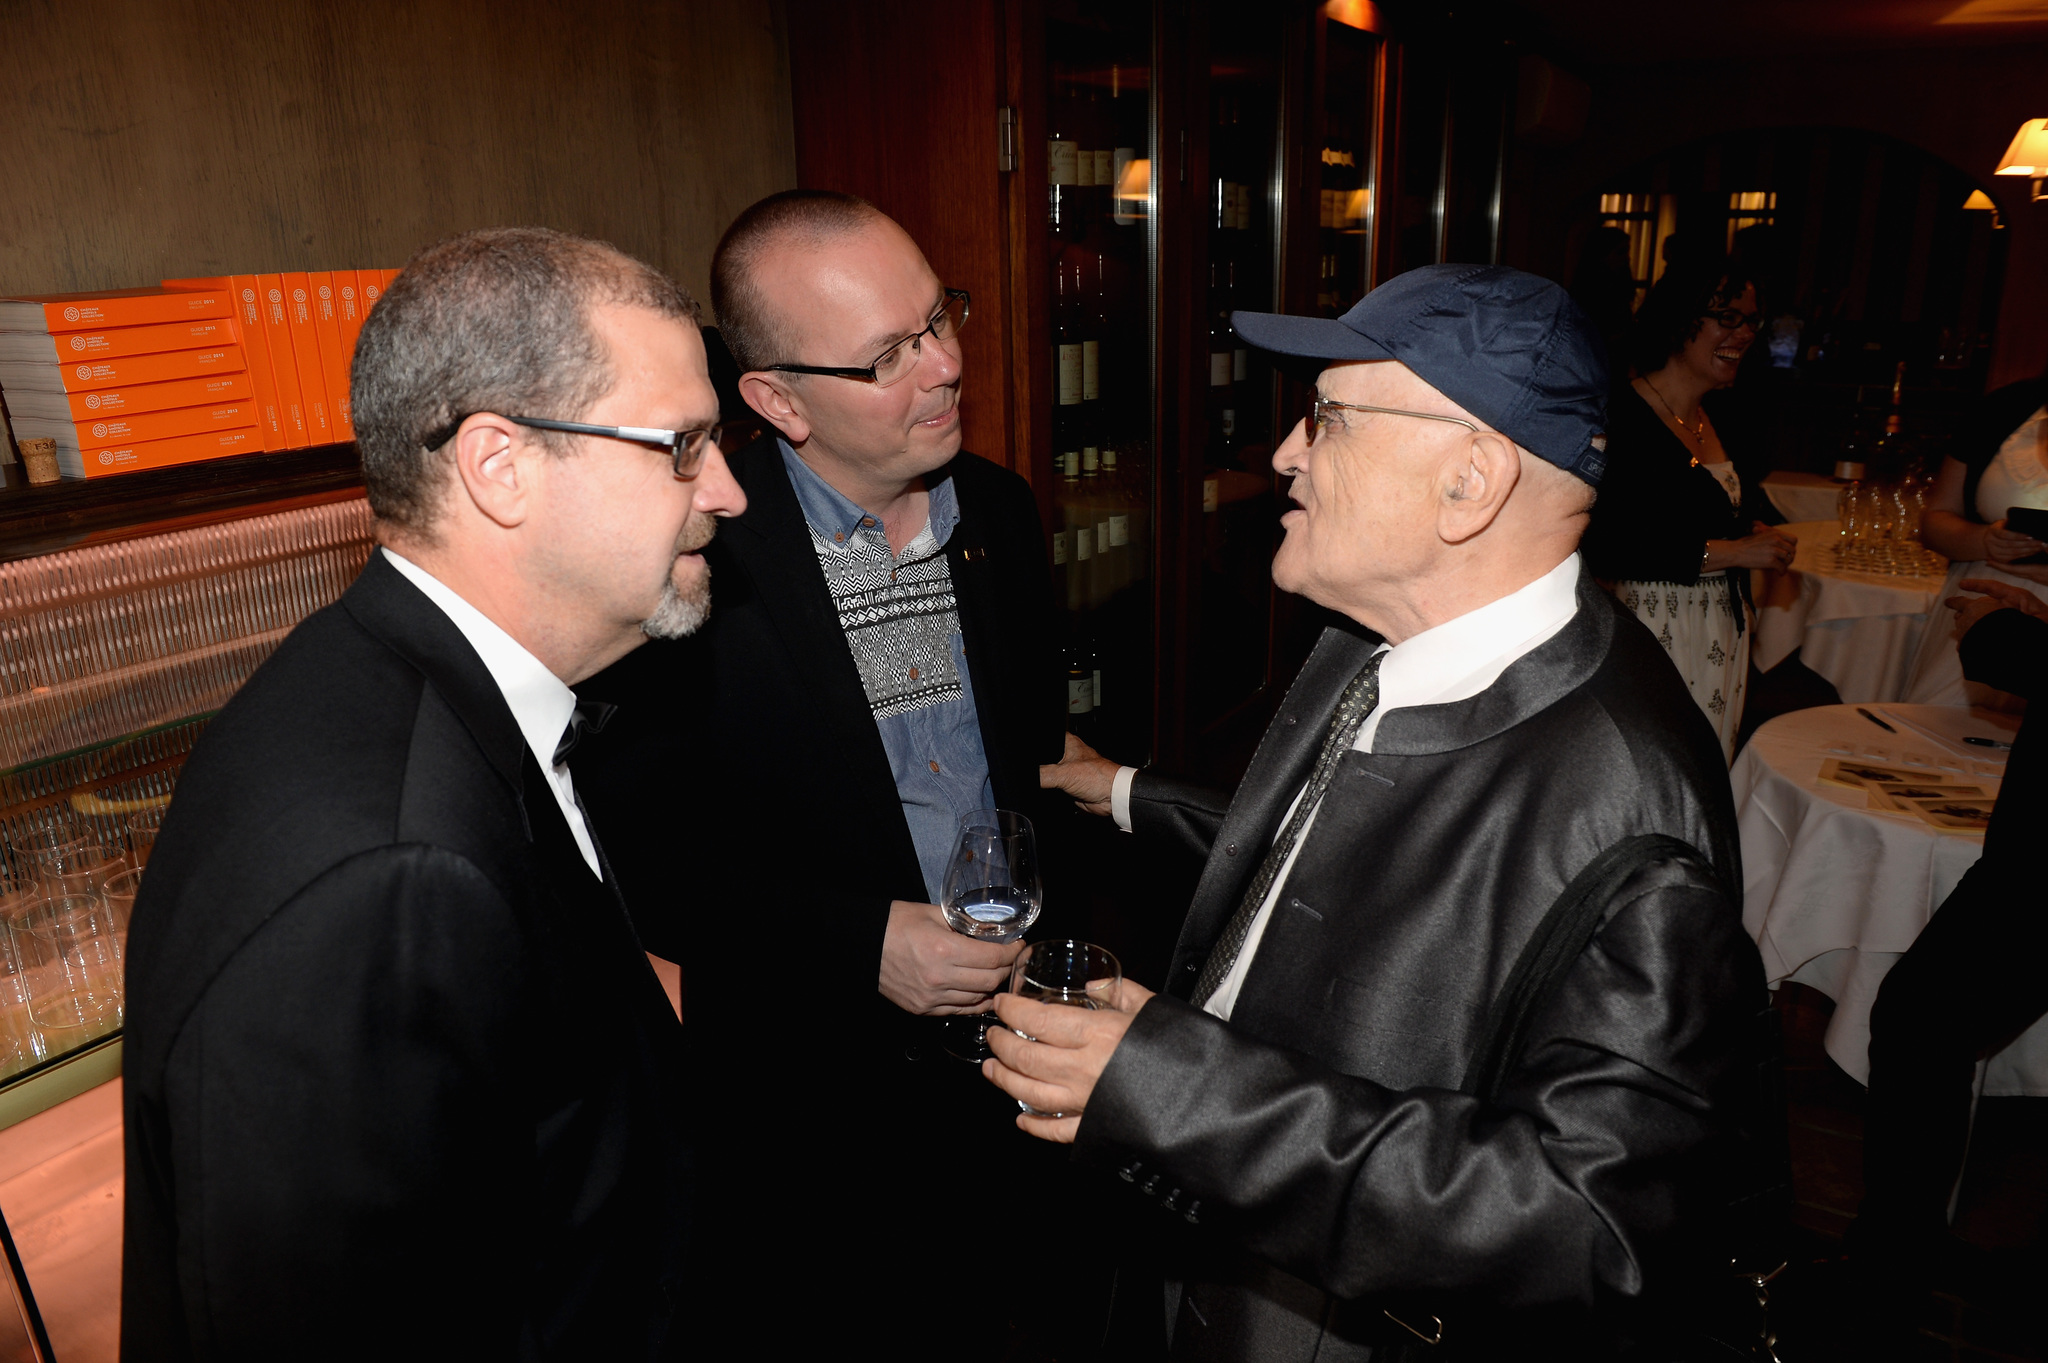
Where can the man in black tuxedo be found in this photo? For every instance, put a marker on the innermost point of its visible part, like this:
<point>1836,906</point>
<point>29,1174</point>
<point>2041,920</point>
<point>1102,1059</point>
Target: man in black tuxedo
<point>400,1081</point>
<point>879,665</point>
<point>1323,1087</point>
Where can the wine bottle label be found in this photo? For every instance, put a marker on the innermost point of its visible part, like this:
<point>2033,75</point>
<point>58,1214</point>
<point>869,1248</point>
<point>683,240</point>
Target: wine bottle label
<point>1070,463</point>
<point>1084,168</point>
<point>1062,162</point>
<point>1084,544</point>
<point>1070,375</point>
<point>1080,695</point>
<point>1091,371</point>
<point>1239,361</point>
<point>1103,543</point>
<point>1229,423</point>
<point>1059,548</point>
<point>1244,208</point>
<point>1219,369</point>
<point>1105,168</point>
<point>1119,531</point>
<point>1210,500</point>
<point>1098,688</point>
<point>1091,459</point>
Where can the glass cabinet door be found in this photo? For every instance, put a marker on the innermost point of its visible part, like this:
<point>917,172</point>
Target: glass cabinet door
<point>1230,632</point>
<point>1099,236</point>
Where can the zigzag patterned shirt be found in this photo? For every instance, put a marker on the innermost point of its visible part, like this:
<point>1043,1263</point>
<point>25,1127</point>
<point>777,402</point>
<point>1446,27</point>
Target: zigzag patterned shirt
<point>902,625</point>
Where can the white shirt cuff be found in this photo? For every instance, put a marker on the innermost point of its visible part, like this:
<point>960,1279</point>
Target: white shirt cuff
<point>1120,797</point>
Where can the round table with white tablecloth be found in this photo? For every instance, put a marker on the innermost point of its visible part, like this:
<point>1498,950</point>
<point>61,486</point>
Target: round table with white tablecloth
<point>1803,496</point>
<point>1859,630</point>
<point>1835,892</point>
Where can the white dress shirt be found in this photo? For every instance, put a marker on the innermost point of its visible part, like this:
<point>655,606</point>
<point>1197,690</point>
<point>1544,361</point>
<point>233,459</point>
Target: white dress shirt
<point>540,703</point>
<point>1449,662</point>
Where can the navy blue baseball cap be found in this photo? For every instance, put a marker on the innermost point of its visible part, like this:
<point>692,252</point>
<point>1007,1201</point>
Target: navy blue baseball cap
<point>1509,347</point>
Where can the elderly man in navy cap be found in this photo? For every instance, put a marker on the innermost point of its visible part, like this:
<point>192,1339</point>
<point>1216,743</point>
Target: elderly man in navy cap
<point>1459,1038</point>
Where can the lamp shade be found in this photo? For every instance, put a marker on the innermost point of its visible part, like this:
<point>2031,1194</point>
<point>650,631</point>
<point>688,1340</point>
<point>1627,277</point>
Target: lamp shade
<point>1980,200</point>
<point>2028,154</point>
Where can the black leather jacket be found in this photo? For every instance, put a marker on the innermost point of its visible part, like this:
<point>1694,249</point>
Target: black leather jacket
<point>1336,1167</point>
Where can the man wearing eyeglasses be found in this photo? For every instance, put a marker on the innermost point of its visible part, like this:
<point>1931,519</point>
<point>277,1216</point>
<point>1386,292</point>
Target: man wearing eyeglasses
<point>880,664</point>
<point>400,1081</point>
<point>1446,1055</point>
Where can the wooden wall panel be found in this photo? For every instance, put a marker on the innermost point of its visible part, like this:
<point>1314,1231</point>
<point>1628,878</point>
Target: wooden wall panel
<point>147,138</point>
<point>882,95</point>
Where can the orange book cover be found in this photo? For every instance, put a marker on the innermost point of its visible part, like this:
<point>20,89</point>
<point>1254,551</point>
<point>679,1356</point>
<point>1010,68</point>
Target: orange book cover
<point>256,346</point>
<point>117,341</point>
<point>156,454</point>
<point>349,285</point>
<point>372,282</point>
<point>298,316</point>
<point>160,397</point>
<point>111,429</point>
<point>217,281</point>
<point>117,308</point>
<point>284,370</point>
<point>171,364</point>
<point>333,359</point>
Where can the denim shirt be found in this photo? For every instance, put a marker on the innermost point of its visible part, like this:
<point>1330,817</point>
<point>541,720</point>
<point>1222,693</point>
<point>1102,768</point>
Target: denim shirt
<point>902,626</point>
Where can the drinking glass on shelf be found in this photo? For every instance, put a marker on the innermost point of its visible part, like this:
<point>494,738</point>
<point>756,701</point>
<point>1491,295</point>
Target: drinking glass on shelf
<point>119,894</point>
<point>992,893</point>
<point>73,969</point>
<point>21,1041</point>
<point>1073,974</point>
<point>142,830</point>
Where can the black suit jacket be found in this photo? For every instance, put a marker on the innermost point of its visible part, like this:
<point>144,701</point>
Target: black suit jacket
<point>760,840</point>
<point>744,769</point>
<point>1321,1130</point>
<point>400,1082</point>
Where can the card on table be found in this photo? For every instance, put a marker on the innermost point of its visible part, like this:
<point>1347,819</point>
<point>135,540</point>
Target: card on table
<point>1955,815</point>
<point>1893,795</point>
<point>1855,774</point>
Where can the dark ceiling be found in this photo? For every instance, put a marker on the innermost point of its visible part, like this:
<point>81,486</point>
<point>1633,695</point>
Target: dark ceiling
<point>1600,32</point>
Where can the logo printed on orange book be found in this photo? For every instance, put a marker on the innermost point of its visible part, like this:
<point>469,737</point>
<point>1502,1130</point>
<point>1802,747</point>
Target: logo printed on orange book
<point>106,456</point>
<point>78,342</point>
<point>326,292</point>
<point>298,295</point>
<point>71,314</point>
<point>92,400</point>
<point>99,428</point>
<point>248,295</point>
<point>348,291</point>
<point>84,371</point>
<point>372,292</point>
<point>276,295</point>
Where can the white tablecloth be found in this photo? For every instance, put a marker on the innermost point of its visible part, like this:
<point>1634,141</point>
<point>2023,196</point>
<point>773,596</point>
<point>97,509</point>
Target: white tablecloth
<point>1803,496</point>
<point>1859,630</point>
<point>1834,892</point>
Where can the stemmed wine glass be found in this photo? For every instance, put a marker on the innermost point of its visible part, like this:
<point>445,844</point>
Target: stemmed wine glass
<point>1075,974</point>
<point>992,893</point>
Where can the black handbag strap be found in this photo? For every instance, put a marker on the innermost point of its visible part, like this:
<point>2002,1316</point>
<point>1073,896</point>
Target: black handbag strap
<point>1550,951</point>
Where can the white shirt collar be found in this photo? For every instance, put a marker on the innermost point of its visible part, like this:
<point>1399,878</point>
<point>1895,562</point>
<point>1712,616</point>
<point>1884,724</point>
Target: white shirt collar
<point>1462,657</point>
<point>539,700</point>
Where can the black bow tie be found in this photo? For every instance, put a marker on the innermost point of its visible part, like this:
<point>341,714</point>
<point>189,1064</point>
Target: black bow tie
<point>590,716</point>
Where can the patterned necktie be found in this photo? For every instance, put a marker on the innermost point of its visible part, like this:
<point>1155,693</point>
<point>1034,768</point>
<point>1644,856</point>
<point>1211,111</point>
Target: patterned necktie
<point>590,716</point>
<point>1357,702</point>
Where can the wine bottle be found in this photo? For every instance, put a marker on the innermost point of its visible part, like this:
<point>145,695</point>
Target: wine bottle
<point>1062,162</point>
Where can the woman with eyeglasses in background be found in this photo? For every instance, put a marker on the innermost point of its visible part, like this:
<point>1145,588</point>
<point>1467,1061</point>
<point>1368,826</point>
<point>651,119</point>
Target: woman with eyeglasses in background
<point>1669,532</point>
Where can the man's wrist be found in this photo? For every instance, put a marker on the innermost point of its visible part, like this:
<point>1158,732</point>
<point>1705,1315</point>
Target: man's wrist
<point>1120,797</point>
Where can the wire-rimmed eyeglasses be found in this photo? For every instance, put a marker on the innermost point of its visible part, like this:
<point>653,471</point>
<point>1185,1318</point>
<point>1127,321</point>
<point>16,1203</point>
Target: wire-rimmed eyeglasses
<point>900,358</point>
<point>686,448</point>
<point>1318,404</point>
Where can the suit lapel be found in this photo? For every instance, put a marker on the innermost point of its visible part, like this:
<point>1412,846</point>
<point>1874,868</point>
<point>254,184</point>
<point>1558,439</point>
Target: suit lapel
<point>1279,768</point>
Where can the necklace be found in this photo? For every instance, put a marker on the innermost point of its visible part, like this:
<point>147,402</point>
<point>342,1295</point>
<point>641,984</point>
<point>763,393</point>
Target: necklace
<point>1698,433</point>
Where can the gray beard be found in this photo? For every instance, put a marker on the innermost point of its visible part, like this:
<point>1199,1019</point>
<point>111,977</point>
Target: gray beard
<point>678,615</point>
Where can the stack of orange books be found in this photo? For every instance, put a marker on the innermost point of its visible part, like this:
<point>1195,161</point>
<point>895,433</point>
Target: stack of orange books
<point>193,369</point>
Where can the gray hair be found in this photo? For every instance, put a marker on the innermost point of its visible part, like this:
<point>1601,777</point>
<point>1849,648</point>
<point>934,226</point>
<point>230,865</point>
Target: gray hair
<point>754,335</point>
<point>491,321</point>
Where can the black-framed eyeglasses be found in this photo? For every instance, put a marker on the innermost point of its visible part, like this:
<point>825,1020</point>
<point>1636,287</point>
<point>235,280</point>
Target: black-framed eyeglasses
<point>1734,320</point>
<point>1318,404</point>
<point>686,448</point>
<point>899,359</point>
